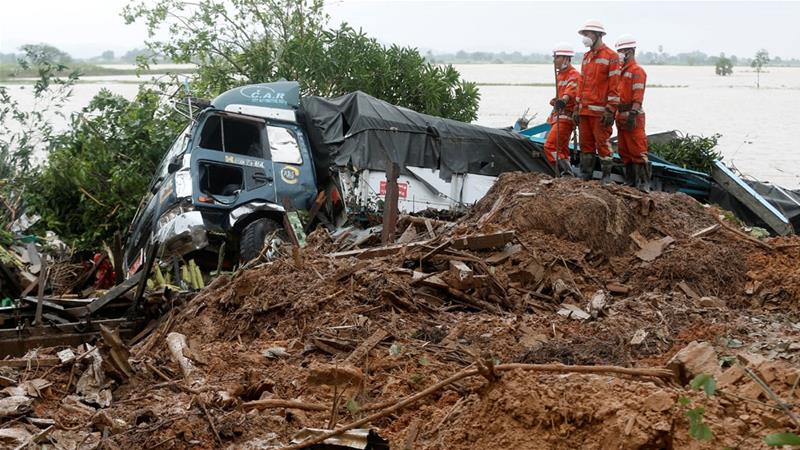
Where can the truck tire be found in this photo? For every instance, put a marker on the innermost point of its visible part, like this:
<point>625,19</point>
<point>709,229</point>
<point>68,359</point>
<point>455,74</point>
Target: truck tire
<point>254,235</point>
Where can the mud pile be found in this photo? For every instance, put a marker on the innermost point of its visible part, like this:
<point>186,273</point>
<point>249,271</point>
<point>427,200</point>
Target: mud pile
<point>591,275</point>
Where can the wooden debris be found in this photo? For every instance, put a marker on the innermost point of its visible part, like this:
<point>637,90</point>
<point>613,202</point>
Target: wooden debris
<point>461,275</point>
<point>618,288</point>
<point>483,241</point>
<point>119,353</point>
<point>688,290</point>
<point>486,218</point>
<point>361,351</point>
<point>410,235</point>
<point>705,231</point>
<point>501,257</point>
<point>741,234</point>
<point>39,361</point>
<point>349,270</point>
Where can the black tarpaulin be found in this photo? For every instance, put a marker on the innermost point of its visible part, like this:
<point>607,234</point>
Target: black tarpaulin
<point>361,131</point>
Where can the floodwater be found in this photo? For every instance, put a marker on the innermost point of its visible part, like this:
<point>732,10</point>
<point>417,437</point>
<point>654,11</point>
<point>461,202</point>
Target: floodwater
<point>759,127</point>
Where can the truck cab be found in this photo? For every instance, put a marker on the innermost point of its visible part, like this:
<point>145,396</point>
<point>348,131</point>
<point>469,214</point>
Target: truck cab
<point>243,161</point>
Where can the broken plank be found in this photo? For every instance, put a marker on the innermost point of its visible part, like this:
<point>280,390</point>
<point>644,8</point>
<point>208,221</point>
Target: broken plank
<point>486,218</point>
<point>361,351</point>
<point>439,248</point>
<point>22,363</point>
<point>483,241</point>
<point>115,292</point>
<point>706,231</point>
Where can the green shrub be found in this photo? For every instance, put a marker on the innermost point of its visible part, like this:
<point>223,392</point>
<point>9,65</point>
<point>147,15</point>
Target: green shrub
<point>690,151</point>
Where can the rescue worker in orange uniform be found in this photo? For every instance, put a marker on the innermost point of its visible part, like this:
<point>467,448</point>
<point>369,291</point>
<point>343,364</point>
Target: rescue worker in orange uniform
<point>556,147</point>
<point>632,139</point>
<point>598,97</point>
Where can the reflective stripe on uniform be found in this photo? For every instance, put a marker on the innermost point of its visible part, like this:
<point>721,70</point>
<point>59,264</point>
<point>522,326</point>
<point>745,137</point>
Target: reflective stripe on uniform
<point>613,72</point>
<point>638,86</point>
<point>596,108</point>
<point>628,75</point>
<point>601,61</point>
<point>564,117</point>
<point>624,115</point>
<point>613,99</point>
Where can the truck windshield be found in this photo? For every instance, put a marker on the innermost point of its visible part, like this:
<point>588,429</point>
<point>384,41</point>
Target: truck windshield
<point>283,145</point>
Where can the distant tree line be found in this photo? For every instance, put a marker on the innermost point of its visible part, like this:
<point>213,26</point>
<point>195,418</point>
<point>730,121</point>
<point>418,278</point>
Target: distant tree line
<point>695,58</point>
<point>56,55</point>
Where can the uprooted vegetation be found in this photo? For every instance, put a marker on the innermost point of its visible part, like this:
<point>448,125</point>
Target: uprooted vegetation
<point>528,297</point>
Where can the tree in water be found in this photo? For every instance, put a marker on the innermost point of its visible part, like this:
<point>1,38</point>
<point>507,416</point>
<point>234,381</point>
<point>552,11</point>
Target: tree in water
<point>724,66</point>
<point>761,59</point>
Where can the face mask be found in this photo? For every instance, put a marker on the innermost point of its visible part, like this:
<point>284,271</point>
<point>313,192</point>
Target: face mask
<point>587,41</point>
<point>622,56</point>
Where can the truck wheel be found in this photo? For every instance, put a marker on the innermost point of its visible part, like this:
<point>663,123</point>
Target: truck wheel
<point>254,236</point>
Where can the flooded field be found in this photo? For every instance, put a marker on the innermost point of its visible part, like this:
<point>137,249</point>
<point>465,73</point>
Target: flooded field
<point>758,126</point>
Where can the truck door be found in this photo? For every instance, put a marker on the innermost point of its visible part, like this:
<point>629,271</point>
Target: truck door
<point>231,162</point>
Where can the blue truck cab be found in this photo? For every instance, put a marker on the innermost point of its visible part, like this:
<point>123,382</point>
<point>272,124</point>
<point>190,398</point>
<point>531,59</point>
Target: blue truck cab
<point>233,173</point>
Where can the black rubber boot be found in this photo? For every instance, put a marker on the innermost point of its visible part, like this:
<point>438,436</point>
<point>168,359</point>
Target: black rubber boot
<point>587,166</point>
<point>565,168</point>
<point>630,174</point>
<point>642,177</point>
<point>605,166</point>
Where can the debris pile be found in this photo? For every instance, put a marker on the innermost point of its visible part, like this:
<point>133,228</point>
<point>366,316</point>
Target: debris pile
<point>556,313</point>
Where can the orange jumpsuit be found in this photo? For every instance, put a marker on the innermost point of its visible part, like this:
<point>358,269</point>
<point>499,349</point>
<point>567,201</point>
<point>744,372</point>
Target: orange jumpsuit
<point>598,91</point>
<point>562,124</point>
<point>632,144</point>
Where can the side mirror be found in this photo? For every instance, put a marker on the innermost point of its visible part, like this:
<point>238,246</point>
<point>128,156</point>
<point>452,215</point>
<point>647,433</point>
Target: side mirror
<point>175,163</point>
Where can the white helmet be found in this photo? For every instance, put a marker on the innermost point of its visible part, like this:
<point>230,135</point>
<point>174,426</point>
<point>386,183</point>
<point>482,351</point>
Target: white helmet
<point>563,49</point>
<point>625,41</point>
<point>593,25</point>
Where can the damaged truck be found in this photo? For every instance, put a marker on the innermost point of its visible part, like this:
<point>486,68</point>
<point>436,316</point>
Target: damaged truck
<point>253,157</point>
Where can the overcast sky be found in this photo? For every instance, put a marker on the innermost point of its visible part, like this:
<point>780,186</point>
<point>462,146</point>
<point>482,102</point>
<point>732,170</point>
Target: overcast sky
<point>85,28</point>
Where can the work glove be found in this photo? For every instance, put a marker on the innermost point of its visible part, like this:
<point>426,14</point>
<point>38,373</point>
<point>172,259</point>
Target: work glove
<point>630,124</point>
<point>559,104</point>
<point>608,118</point>
<point>576,117</point>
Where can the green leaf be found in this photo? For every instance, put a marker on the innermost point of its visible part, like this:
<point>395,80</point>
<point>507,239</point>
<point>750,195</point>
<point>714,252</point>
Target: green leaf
<point>683,401</point>
<point>780,439</point>
<point>704,381</point>
<point>423,361</point>
<point>701,432</point>
<point>697,429</point>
